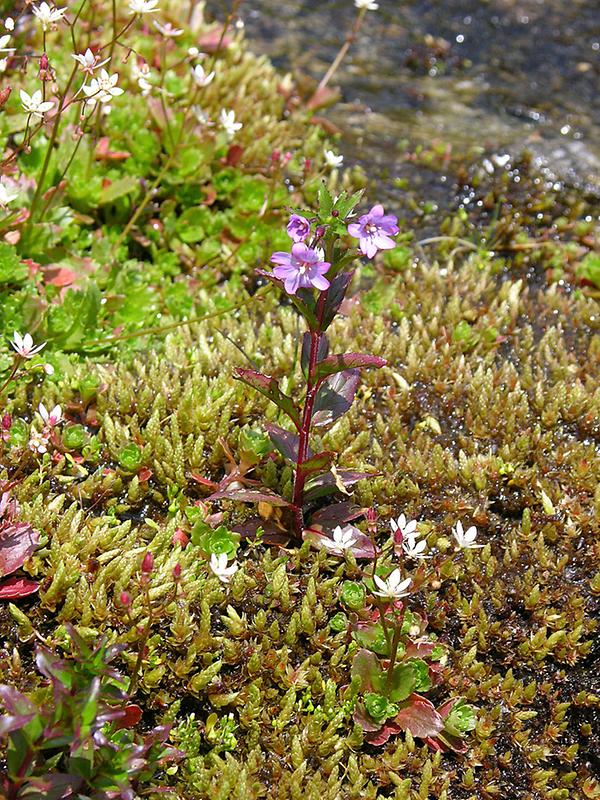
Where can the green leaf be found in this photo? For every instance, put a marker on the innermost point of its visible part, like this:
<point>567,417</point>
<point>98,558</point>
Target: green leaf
<point>11,269</point>
<point>318,463</point>
<point>325,202</point>
<point>402,684</point>
<point>119,188</point>
<point>70,323</point>
<point>217,541</point>
<point>461,719</point>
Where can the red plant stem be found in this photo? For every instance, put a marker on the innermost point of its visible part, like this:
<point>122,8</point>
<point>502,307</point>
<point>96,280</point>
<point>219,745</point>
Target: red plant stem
<point>312,385</point>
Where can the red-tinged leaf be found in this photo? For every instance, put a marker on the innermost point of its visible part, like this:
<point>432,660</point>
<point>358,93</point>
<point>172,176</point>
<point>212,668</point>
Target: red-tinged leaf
<point>249,496</point>
<point>234,154</point>
<point>362,718</point>
<point>420,649</point>
<point>318,463</point>
<point>326,484</point>
<point>334,297</point>
<point>335,397</point>
<point>286,442</point>
<point>14,588</point>
<point>418,715</point>
<point>382,736</point>
<point>59,276</point>
<point>342,361</point>
<point>144,474</point>
<point>270,388</point>
<point>103,152</point>
<point>272,534</point>
<point>17,542</point>
<point>13,722</point>
<point>366,666</point>
<point>337,514</point>
<point>132,715</point>
<point>204,481</point>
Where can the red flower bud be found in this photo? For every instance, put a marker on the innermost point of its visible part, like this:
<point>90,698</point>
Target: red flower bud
<point>177,572</point>
<point>4,95</point>
<point>125,599</point>
<point>148,563</point>
<point>6,422</point>
<point>180,538</point>
<point>371,515</point>
<point>44,63</point>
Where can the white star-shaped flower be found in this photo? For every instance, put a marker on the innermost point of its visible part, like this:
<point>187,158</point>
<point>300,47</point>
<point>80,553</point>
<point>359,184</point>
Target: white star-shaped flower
<point>465,539</point>
<point>50,418</point>
<point>201,78</point>
<point>368,4</point>
<point>24,345</point>
<point>404,526</point>
<point>34,104</point>
<point>343,538</point>
<point>143,6</point>
<point>392,588</point>
<point>218,564</point>
<point>333,160</point>
<point>103,88</point>
<point>167,29</point>
<point>89,61</point>
<point>4,40</point>
<point>47,15</point>
<point>6,196</point>
<point>228,123</point>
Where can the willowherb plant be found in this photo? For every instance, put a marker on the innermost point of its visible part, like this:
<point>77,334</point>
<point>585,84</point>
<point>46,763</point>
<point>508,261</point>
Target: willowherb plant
<point>316,275</point>
<point>75,740</point>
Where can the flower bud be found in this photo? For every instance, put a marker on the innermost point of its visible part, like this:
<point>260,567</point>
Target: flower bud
<point>4,95</point>
<point>44,63</point>
<point>125,599</point>
<point>371,515</point>
<point>177,572</point>
<point>320,231</point>
<point>147,563</point>
<point>6,422</point>
<point>180,538</point>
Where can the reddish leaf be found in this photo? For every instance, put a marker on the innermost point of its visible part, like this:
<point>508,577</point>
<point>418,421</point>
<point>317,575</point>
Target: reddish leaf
<point>337,514</point>
<point>272,534</point>
<point>335,397</point>
<point>17,542</point>
<point>317,463</point>
<point>132,715</point>
<point>234,155</point>
<point>59,276</point>
<point>383,734</point>
<point>419,717</point>
<point>342,361</point>
<point>365,665</point>
<point>325,484</point>
<point>362,718</point>
<point>286,442</point>
<point>14,588</point>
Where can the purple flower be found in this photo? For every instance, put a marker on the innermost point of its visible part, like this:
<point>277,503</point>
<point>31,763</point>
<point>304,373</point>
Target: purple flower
<point>300,269</point>
<point>298,228</point>
<point>374,231</point>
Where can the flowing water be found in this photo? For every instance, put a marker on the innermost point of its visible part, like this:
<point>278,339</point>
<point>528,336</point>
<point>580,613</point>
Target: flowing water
<point>478,78</point>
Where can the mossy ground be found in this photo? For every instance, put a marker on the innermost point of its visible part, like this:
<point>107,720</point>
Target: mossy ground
<point>488,412</point>
<point>501,432</point>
